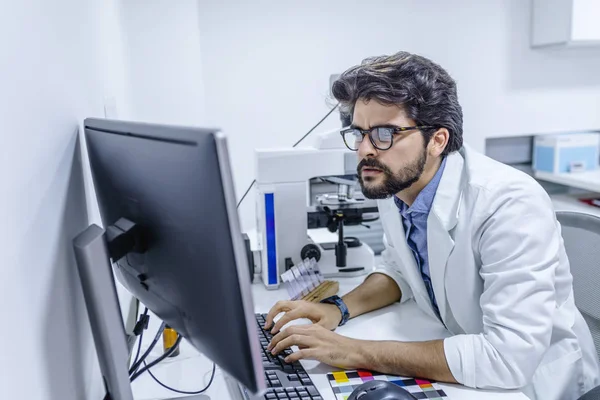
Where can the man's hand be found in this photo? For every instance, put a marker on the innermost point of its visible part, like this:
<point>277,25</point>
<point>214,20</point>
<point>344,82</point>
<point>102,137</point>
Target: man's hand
<point>423,359</point>
<point>325,315</point>
<point>318,343</point>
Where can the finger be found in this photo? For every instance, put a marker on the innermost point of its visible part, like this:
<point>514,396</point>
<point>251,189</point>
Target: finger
<point>280,306</point>
<point>287,317</point>
<point>294,340</point>
<point>278,338</point>
<point>305,354</point>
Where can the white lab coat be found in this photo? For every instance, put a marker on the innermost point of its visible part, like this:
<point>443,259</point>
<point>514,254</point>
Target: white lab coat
<point>501,280</point>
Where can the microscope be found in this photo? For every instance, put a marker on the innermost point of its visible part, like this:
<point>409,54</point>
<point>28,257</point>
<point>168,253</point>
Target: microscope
<point>303,197</point>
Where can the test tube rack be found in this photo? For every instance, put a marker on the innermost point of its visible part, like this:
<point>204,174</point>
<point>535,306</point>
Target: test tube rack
<point>323,291</point>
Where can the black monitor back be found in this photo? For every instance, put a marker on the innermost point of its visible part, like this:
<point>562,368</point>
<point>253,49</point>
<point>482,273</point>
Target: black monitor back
<point>175,184</point>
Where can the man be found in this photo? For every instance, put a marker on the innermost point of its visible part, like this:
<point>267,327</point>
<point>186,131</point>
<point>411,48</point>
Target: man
<point>474,242</point>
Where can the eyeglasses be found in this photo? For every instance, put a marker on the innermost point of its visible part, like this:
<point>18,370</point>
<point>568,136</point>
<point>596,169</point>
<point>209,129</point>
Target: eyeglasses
<point>381,137</point>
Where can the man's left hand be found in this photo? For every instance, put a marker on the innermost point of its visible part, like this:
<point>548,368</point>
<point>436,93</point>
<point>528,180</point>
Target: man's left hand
<point>318,343</point>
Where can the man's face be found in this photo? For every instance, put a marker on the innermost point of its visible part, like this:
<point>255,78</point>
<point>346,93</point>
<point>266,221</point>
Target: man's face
<point>383,173</point>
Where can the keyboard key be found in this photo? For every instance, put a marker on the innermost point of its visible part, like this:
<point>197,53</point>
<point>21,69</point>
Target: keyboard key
<point>312,390</point>
<point>306,381</point>
<point>297,366</point>
<point>279,390</point>
<point>270,396</point>
<point>293,378</point>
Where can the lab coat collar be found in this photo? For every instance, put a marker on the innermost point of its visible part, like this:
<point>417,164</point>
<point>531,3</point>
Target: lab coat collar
<point>446,203</point>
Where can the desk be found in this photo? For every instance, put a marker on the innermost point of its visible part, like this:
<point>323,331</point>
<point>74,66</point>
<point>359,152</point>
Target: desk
<point>191,371</point>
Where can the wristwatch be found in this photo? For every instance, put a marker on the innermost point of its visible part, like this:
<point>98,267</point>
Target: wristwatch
<point>336,300</point>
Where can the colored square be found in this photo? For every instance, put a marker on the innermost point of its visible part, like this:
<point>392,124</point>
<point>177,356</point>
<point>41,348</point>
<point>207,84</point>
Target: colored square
<point>426,387</point>
<point>351,375</point>
<point>364,374</point>
<point>432,395</point>
<point>419,395</point>
<point>410,382</point>
<point>340,377</point>
<point>422,382</point>
<point>347,389</point>
<point>355,381</point>
<point>398,382</point>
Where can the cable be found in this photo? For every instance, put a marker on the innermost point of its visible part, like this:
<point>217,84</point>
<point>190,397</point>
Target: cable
<point>159,359</point>
<point>245,194</point>
<point>135,366</point>
<point>318,123</point>
<point>212,376</point>
<point>142,328</point>
<point>295,144</point>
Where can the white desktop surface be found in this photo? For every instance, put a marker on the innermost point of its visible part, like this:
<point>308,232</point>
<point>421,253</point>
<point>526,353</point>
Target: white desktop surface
<point>191,371</point>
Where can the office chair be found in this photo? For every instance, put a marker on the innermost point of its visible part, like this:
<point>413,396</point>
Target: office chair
<point>593,394</point>
<point>581,235</point>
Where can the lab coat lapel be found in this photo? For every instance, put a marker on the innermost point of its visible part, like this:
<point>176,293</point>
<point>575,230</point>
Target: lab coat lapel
<point>443,217</point>
<point>393,220</point>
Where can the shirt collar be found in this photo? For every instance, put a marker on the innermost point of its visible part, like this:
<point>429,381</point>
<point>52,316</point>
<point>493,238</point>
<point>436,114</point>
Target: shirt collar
<point>424,199</point>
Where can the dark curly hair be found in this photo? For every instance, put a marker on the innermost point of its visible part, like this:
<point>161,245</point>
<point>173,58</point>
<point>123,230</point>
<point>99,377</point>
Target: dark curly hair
<point>425,91</point>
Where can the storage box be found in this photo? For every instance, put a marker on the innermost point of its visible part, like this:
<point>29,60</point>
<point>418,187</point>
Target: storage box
<point>565,153</point>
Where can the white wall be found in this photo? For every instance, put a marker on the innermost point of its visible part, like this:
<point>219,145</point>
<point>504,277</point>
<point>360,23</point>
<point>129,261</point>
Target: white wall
<point>266,67</point>
<point>54,72</point>
<point>162,41</point>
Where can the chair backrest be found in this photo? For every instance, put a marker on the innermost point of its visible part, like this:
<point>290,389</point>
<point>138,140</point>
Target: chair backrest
<point>581,235</point>
<point>593,394</point>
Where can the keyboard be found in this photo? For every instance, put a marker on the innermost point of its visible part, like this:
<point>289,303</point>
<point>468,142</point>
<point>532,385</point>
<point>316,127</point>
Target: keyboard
<point>284,381</point>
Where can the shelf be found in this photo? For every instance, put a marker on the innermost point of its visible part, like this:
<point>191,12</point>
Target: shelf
<point>589,180</point>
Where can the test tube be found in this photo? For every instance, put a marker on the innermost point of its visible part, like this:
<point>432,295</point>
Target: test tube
<point>310,284</point>
<point>311,272</point>
<point>300,280</point>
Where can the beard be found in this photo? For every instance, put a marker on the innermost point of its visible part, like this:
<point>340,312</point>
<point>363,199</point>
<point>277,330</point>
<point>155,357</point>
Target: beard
<point>392,183</point>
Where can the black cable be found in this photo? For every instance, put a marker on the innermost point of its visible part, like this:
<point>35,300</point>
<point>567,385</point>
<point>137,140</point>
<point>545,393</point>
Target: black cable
<point>135,366</point>
<point>142,318</point>
<point>245,194</point>
<point>212,376</point>
<point>159,359</point>
<point>295,144</point>
<point>318,123</point>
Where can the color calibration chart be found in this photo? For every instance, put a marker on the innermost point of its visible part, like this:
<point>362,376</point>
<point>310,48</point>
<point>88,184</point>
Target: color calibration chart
<point>343,383</point>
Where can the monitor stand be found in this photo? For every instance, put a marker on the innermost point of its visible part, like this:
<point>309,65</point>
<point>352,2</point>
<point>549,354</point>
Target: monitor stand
<point>102,303</point>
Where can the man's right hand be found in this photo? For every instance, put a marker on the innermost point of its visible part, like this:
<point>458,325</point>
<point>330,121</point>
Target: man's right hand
<point>326,315</point>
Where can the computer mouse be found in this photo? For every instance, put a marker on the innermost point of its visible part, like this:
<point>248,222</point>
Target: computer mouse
<point>380,390</point>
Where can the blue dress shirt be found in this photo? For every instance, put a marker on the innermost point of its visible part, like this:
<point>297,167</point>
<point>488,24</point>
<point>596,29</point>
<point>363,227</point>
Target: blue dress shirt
<point>414,219</point>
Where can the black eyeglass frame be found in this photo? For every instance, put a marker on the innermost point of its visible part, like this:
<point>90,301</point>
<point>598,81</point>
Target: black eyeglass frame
<point>368,132</point>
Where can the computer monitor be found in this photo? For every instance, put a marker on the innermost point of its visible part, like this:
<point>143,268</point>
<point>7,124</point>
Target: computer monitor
<point>188,265</point>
